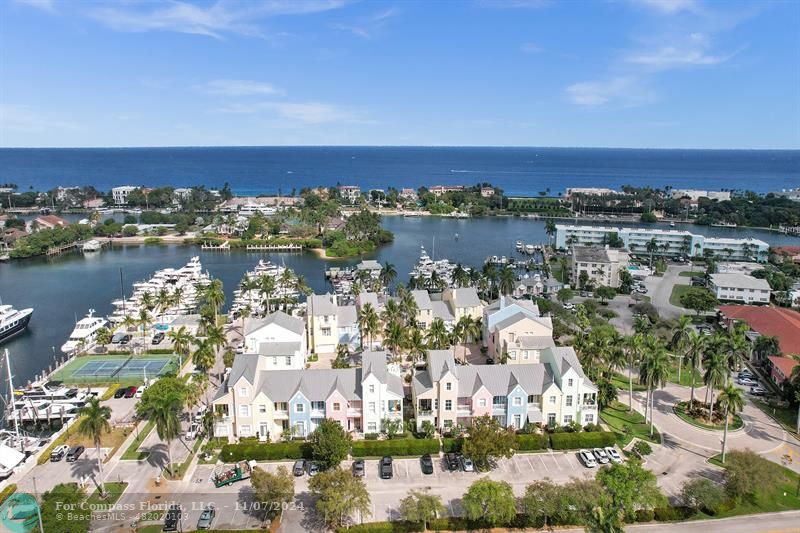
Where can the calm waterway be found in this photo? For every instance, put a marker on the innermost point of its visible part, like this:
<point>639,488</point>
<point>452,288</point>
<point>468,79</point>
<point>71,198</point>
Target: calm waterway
<point>65,288</point>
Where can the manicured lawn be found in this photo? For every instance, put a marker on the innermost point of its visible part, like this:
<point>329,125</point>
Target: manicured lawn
<point>621,382</point>
<point>133,453</point>
<point>677,292</point>
<point>780,494</point>
<point>680,410</point>
<point>112,440</point>
<point>786,416</point>
<point>689,273</point>
<point>113,492</point>
<point>617,417</point>
<point>686,376</point>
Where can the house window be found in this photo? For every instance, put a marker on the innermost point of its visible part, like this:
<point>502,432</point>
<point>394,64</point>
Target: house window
<point>525,354</point>
<point>552,400</point>
<point>551,419</point>
<point>481,402</point>
<point>372,427</point>
<point>499,401</point>
<point>262,408</point>
<point>244,410</point>
<point>569,401</point>
<point>372,388</point>
<point>317,406</point>
<point>336,406</point>
<point>448,405</point>
<point>243,392</point>
<point>512,354</point>
<point>274,361</point>
<point>299,408</point>
<point>244,430</point>
<point>567,419</point>
<point>288,360</point>
<point>448,386</point>
<point>569,383</point>
<point>372,407</point>
<point>533,398</point>
<point>517,401</point>
<point>517,421</point>
<point>326,331</point>
<point>590,419</point>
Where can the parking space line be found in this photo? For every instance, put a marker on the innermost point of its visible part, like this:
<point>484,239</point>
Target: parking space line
<point>407,474</point>
<point>530,463</point>
<point>571,463</point>
<point>543,463</point>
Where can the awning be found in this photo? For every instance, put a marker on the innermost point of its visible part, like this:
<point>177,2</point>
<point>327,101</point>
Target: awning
<point>9,457</point>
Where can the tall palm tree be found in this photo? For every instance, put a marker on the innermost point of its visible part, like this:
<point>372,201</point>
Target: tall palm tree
<point>409,307</point>
<point>286,280</point>
<point>93,424</point>
<point>266,289</point>
<point>244,314</point>
<point>680,338</point>
<point>695,347</point>
<point>144,321</point>
<point>368,322</point>
<point>214,296</point>
<point>716,374</point>
<point>654,369</point>
<point>181,339</point>
<point>388,274</point>
<point>633,347</point>
<point>394,338</point>
<point>215,337</point>
<point>550,230</point>
<point>204,357</point>
<point>301,285</point>
<point>248,285</point>
<point>737,345</point>
<point>438,337</point>
<point>392,313</point>
<point>164,411</point>
<point>163,300</point>
<point>460,276</point>
<point>415,344</point>
<point>506,281</point>
<point>732,400</point>
<point>147,301</point>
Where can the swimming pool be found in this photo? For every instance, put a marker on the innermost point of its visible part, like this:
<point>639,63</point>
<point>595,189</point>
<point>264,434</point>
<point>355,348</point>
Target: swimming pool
<point>161,327</point>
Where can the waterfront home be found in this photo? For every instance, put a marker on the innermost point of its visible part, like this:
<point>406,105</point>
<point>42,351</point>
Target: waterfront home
<point>255,401</point>
<point>439,190</point>
<point>552,391</point>
<point>448,306</point>
<point>486,192</point>
<point>280,337</point>
<point>322,323</point>
<point>350,193</point>
<point>601,265</point>
<point>49,222</point>
<point>120,194</point>
<point>463,302</point>
<point>408,194</point>
<point>740,288</point>
<point>694,195</point>
<point>503,308</point>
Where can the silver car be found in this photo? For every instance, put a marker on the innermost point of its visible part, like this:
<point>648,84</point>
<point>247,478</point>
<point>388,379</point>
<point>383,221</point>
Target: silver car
<point>587,459</point>
<point>600,455</point>
<point>206,517</point>
<point>613,454</point>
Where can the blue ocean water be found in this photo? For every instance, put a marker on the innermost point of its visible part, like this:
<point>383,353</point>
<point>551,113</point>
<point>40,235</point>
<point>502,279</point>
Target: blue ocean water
<point>519,171</point>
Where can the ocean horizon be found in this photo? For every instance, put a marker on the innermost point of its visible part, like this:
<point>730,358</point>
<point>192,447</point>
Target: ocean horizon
<point>524,171</point>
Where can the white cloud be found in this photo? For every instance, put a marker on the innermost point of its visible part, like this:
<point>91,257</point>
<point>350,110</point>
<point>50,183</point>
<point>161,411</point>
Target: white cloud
<point>44,5</point>
<point>366,27</point>
<point>238,88</point>
<point>213,20</point>
<point>301,112</point>
<point>669,7</point>
<point>689,51</point>
<point>22,118</point>
<point>530,48</point>
<point>621,91</point>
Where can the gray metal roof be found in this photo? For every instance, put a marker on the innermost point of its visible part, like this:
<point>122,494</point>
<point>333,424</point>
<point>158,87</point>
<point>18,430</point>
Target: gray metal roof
<point>369,264</point>
<point>244,365</point>
<point>440,362</point>
<point>368,298</point>
<point>499,380</point>
<point>516,317</point>
<point>564,358</point>
<point>322,304</point>
<point>278,348</point>
<point>739,281</point>
<point>466,297</point>
<point>422,298</point>
<point>421,382</point>
<point>346,315</point>
<point>535,342</point>
<point>440,310</point>
<point>279,318</point>
<point>374,363</point>
<point>590,254</point>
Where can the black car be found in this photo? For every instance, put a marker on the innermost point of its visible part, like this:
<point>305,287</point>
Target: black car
<point>158,337</point>
<point>74,453</point>
<point>130,392</point>
<point>172,518</point>
<point>120,392</point>
<point>299,467</point>
<point>386,468</point>
<point>426,463</point>
<point>358,468</point>
<point>452,461</point>
<point>120,338</point>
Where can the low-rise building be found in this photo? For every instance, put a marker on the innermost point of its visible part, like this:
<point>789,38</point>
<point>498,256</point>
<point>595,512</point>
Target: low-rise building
<point>272,404</point>
<point>278,336</point>
<point>120,194</point>
<point>601,265</point>
<point>780,369</point>
<point>439,190</point>
<point>740,288</point>
<point>695,194</point>
<point>767,321</point>
<point>322,323</point>
<point>350,193</point>
<point>463,301</point>
<point>486,192</point>
<point>408,194</point>
<point>50,222</point>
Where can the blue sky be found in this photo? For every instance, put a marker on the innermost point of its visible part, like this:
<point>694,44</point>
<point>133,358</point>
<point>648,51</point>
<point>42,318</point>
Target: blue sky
<point>625,73</point>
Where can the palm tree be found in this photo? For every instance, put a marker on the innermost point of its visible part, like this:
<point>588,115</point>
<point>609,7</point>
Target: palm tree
<point>163,300</point>
<point>460,276</point>
<point>654,369</point>
<point>163,411</point>
<point>438,337</point>
<point>301,285</point>
<point>244,314</point>
<point>342,356</point>
<point>415,344</point>
<point>144,321</point>
<point>766,345</point>
<point>394,338</point>
<point>388,274</point>
<point>368,323</point>
<point>695,347</point>
<point>409,307</point>
<point>204,357</point>
<point>550,230</point>
<point>434,282</point>
<point>266,289</point>
<point>392,312</point>
<point>715,375</point>
<point>506,282</point>
<point>732,400</point>
<point>651,247</point>
<point>215,297</point>
<point>680,338</point>
<point>147,301</point>
<point>181,339</point>
<point>93,424</point>
<point>248,285</point>
<point>287,278</point>
<point>215,337</point>
<point>633,347</point>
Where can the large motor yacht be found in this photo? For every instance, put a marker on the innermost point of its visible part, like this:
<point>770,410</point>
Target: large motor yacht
<point>84,334</point>
<point>13,321</point>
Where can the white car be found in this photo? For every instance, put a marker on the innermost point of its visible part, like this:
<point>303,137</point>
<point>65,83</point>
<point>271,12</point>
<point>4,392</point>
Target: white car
<point>192,432</point>
<point>600,455</point>
<point>569,307</point>
<point>749,382</point>
<point>140,391</point>
<point>587,459</point>
<point>758,391</point>
<point>613,454</point>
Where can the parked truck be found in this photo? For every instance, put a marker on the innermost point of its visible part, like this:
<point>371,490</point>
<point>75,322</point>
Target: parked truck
<point>227,474</point>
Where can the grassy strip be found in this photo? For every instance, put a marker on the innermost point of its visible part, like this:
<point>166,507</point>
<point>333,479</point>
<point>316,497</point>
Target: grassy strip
<point>621,382</point>
<point>181,469</point>
<point>113,492</point>
<point>133,453</point>
<point>627,425</point>
<point>686,376</point>
<point>690,274</point>
<point>677,292</point>
<point>680,410</point>
<point>45,456</point>
<point>785,416</point>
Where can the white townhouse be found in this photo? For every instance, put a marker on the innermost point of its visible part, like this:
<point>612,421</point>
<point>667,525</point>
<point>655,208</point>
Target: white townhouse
<point>280,334</point>
<point>740,288</point>
<point>601,265</point>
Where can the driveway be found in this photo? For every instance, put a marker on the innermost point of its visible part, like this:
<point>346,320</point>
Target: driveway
<point>660,289</point>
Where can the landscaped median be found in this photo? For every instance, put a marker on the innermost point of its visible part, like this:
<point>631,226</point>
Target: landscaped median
<point>627,424</point>
<point>680,409</point>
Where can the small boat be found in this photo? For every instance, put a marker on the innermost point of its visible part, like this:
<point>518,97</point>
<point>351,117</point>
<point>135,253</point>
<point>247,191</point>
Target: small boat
<point>519,246</point>
<point>529,248</point>
<point>671,224</point>
<point>92,246</point>
<point>724,225</point>
<point>456,236</point>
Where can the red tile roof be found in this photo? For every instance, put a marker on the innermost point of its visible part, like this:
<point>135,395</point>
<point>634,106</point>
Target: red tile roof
<point>787,250</point>
<point>784,364</point>
<point>773,321</point>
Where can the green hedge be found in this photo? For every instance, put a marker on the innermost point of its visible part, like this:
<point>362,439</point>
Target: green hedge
<point>8,491</point>
<point>575,441</point>
<point>452,445</point>
<point>265,452</point>
<point>383,527</point>
<point>379,448</point>
<point>526,443</point>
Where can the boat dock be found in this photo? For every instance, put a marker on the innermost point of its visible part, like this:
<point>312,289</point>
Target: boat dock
<point>274,248</point>
<point>77,245</point>
<point>224,247</point>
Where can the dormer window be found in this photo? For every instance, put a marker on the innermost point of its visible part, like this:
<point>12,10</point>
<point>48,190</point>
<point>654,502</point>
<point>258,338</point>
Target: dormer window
<point>243,392</point>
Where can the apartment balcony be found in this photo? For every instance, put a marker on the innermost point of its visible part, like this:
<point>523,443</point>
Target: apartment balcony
<point>464,410</point>
<point>317,413</point>
<point>354,412</point>
<point>281,414</point>
<point>424,412</point>
<point>588,407</point>
<point>498,409</point>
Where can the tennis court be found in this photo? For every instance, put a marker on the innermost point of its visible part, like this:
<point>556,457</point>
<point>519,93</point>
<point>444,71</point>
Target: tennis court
<point>114,368</point>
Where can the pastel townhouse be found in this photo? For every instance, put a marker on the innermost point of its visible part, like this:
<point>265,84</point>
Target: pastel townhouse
<point>519,337</point>
<point>322,323</point>
<point>551,391</point>
<point>463,302</point>
<point>449,306</point>
<point>273,404</point>
<point>280,337</point>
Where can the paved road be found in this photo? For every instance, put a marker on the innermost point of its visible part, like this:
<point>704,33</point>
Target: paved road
<point>660,288</point>
<point>786,522</point>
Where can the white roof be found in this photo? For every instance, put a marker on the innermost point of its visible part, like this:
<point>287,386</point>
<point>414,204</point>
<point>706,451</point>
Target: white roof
<point>739,281</point>
<point>9,457</point>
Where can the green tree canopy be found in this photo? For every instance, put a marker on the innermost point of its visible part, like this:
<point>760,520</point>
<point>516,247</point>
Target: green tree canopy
<point>339,495</point>
<point>330,444</point>
<point>488,440</point>
<point>699,300</point>
<point>630,487</point>
<point>272,491</point>
<point>421,507</point>
<point>489,501</point>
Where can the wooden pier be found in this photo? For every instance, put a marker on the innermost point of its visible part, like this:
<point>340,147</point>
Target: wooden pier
<point>274,248</point>
<point>224,247</point>
<point>77,245</point>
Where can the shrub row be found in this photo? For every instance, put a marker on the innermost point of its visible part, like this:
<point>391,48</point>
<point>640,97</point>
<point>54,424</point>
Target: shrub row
<point>574,441</point>
<point>265,452</point>
<point>383,527</point>
<point>379,448</point>
<point>452,445</point>
<point>8,491</point>
<point>532,442</point>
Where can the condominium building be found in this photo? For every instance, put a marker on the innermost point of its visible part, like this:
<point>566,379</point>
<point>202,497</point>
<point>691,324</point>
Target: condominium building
<point>662,242</point>
<point>551,391</point>
<point>351,193</point>
<point>601,265</point>
<point>740,288</point>
<point>271,404</point>
<point>120,194</point>
<point>449,306</point>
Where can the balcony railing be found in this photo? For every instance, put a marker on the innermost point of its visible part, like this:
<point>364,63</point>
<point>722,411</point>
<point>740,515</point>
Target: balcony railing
<point>589,407</point>
<point>354,411</point>
<point>425,412</point>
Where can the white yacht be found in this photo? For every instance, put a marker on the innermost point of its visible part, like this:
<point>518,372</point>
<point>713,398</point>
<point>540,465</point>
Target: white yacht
<point>13,321</point>
<point>84,333</point>
<point>92,245</point>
